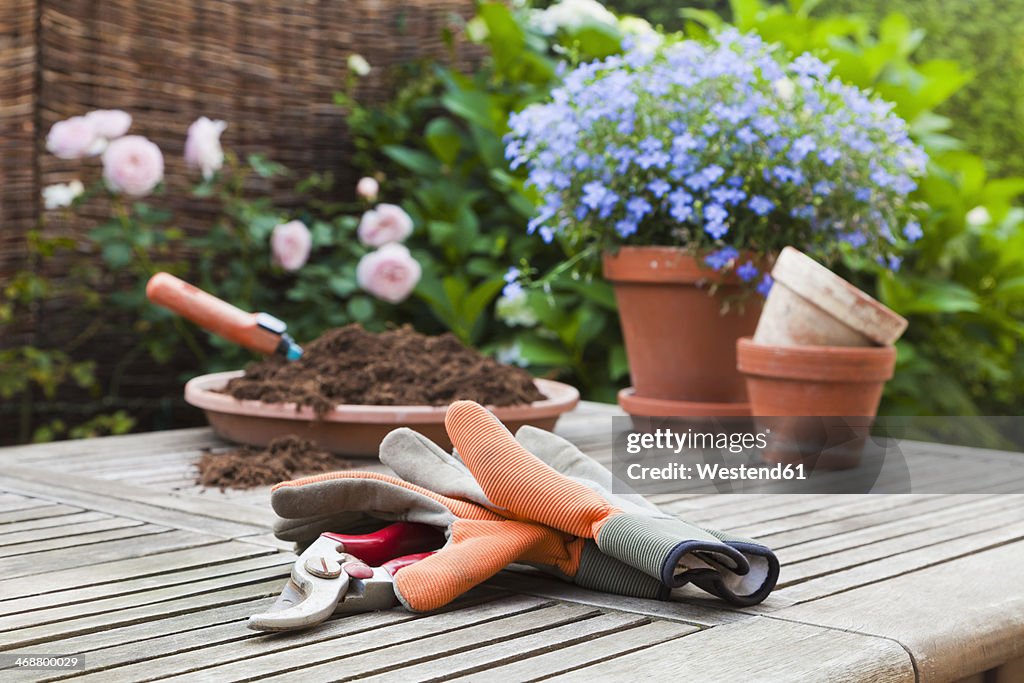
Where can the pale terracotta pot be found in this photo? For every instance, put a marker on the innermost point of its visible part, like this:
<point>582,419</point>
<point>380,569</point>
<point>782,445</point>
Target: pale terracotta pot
<point>681,346</point>
<point>809,305</point>
<point>354,430</point>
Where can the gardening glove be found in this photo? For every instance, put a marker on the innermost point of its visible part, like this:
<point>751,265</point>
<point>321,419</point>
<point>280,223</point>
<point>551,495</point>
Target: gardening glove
<point>564,457</point>
<point>420,461</point>
<point>479,542</point>
<point>524,487</point>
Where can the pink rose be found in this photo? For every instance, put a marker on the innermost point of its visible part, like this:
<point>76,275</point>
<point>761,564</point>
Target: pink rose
<point>385,224</point>
<point>109,124</point>
<point>73,138</point>
<point>202,146</point>
<point>290,244</point>
<point>133,165</point>
<point>390,273</point>
<point>368,188</point>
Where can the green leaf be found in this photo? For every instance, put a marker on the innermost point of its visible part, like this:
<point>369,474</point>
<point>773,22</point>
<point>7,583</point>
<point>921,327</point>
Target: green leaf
<point>264,167</point>
<point>618,364</point>
<point>444,139</point>
<point>480,298</point>
<point>413,160</point>
<point>537,351</point>
<point>595,41</point>
<point>504,35</point>
<point>472,105</point>
<point>360,308</point>
<point>117,254</point>
<point>342,285</point>
<point>940,296</point>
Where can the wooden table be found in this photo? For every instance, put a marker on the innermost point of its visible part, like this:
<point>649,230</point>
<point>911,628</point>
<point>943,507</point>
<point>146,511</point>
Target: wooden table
<point>109,551</point>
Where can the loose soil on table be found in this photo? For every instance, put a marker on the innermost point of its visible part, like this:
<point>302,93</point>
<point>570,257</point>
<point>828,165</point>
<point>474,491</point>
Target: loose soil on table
<point>397,367</point>
<point>247,467</point>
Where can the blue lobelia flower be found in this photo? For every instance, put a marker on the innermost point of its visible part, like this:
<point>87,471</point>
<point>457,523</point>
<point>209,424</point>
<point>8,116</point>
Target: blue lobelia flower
<point>748,271</point>
<point>658,187</point>
<point>761,205</point>
<point>721,258</point>
<point>714,221</point>
<point>765,285</point>
<point>680,205</point>
<point>912,231</point>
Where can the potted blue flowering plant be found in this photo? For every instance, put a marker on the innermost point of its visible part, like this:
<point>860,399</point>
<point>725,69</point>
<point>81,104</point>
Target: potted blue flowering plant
<point>688,165</point>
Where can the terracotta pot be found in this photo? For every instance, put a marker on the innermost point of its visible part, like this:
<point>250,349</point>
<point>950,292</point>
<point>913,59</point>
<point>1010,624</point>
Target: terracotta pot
<point>815,381</point>
<point>680,345</point>
<point>809,305</point>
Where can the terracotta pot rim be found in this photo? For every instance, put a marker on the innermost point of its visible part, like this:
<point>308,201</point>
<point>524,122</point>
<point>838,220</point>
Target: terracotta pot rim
<point>660,407</point>
<point>667,264</point>
<point>816,363</point>
<point>838,298</point>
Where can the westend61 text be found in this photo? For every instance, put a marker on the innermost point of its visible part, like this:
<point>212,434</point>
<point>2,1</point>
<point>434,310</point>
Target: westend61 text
<point>715,472</point>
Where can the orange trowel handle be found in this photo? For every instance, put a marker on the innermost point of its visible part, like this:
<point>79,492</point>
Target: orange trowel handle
<point>212,313</point>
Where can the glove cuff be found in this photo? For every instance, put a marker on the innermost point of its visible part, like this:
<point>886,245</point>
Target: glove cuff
<point>669,550</point>
<point>600,572</point>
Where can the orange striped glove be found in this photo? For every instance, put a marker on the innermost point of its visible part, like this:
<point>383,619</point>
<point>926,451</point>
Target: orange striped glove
<point>420,461</point>
<point>479,542</point>
<point>521,486</point>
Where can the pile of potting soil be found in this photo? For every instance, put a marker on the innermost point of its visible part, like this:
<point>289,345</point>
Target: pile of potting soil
<point>247,467</point>
<point>397,367</point>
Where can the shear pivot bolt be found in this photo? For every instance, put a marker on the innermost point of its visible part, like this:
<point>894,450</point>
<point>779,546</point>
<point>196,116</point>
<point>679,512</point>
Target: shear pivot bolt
<point>323,567</point>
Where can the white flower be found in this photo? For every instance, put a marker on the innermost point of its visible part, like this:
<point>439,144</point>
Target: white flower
<point>390,273</point>
<point>202,146</point>
<point>368,188</point>
<point>636,26</point>
<point>290,244</point>
<point>510,354</point>
<point>514,310</point>
<point>74,138</point>
<point>384,225</point>
<point>109,124</point>
<point>571,15</point>
<point>978,216</point>
<point>133,165</point>
<point>358,65</point>
<point>62,195</point>
<point>784,88</point>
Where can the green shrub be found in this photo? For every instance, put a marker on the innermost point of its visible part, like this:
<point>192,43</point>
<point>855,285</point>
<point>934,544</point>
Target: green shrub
<point>989,36</point>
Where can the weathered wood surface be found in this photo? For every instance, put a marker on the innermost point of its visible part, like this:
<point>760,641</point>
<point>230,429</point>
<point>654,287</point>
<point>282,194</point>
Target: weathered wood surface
<point>110,551</point>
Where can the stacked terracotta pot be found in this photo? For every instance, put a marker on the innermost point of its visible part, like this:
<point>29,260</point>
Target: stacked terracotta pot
<point>822,348</point>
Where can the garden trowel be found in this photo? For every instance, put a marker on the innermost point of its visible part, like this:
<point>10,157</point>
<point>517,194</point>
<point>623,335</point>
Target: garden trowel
<point>259,332</point>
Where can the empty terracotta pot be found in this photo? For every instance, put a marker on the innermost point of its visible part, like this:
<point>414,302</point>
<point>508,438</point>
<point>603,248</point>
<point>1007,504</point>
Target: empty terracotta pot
<point>809,305</point>
<point>803,382</point>
<point>680,345</point>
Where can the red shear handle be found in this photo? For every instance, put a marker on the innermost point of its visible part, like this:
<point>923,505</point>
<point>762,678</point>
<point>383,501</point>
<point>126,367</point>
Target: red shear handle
<point>392,566</point>
<point>211,313</point>
<point>394,541</point>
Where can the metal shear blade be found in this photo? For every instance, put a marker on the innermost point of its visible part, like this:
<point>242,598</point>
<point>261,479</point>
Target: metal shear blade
<point>319,587</point>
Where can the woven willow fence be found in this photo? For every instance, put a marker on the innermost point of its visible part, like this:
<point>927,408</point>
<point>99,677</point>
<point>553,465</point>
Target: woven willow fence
<point>267,67</point>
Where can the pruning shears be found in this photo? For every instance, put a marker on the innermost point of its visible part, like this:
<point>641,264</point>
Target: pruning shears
<point>323,583</point>
<point>260,332</point>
